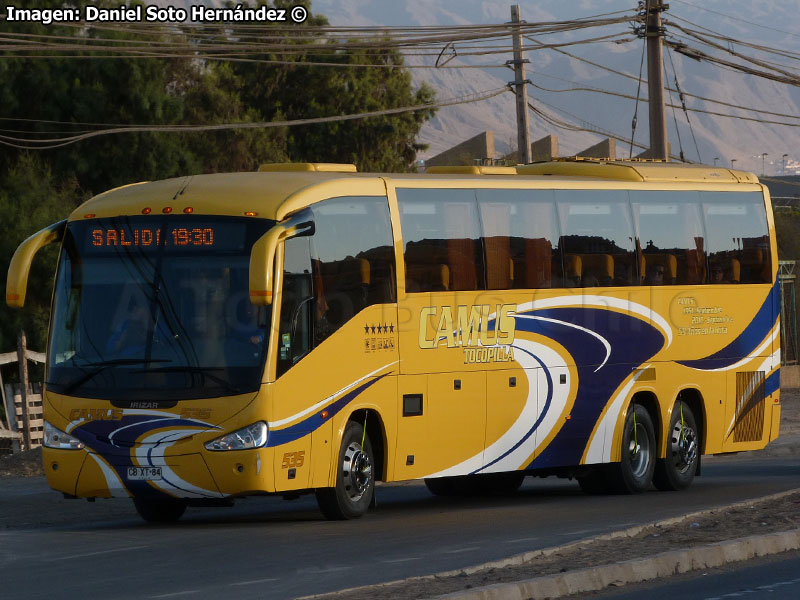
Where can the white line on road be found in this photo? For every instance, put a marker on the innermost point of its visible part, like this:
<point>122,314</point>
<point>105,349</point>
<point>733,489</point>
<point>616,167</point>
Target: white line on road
<point>459,550</point>
<point>399,560</point>
<point>255,581</point>
<point>174,594</point>
<point>318,571</point>
<point>580,532</point>
<point>84,555</point>
<point>522,540</point>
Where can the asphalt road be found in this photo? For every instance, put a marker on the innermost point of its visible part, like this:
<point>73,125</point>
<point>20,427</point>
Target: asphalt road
<point>270,548</point>
<point>772,577</point>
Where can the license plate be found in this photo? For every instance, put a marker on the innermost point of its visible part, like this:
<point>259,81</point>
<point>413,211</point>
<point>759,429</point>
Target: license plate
<point>144,473</point>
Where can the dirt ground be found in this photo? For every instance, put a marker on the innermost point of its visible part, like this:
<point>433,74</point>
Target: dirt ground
<point>724,524</point>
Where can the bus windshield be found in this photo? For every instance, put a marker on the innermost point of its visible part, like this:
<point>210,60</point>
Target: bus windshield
<point>157,309</point>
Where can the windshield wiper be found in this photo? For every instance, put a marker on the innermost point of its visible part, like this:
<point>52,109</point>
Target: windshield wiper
<point>102,366</point>
<point>203,372</point>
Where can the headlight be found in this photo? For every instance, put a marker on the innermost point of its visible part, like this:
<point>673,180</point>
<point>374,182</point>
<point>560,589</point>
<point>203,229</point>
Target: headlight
<point>252,436</point>
<point>55,438</point>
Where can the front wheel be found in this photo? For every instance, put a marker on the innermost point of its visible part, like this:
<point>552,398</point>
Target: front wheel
<point>355,481</point>
<point>160,511</point>
<point>677,470</point>
<point>634,473</point>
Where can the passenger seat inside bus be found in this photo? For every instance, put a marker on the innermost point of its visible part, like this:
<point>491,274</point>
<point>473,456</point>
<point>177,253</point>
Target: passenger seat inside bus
<point>426,267</point>
<point>598,270</point>
<point>573,269</point>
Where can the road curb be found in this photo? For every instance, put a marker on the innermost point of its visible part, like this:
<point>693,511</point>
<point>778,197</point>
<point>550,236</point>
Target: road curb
<point>636,570</point>
<point>519,559</point>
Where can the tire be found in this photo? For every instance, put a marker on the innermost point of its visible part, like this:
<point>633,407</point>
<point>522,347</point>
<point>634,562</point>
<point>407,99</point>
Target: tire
<point>355,480</point>
<point>634,473</point>
<point>677,470</point>
<point>160,511</point>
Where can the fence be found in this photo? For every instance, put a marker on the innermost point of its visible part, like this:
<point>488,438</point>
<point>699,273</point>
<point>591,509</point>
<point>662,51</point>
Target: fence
<point>24,427</point>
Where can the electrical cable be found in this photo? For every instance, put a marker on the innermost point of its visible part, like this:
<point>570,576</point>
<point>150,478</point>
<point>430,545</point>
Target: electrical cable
<point>683,105</point>
<point>59,142</point>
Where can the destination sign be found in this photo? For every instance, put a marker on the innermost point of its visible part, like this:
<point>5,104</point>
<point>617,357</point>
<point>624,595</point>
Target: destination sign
<point>104,237</point>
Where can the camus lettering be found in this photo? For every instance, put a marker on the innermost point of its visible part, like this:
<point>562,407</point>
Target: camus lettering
<point>468,327</point>
<point>95,414</point>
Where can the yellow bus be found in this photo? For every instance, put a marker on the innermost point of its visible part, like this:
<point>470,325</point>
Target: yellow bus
<point>307,328</point>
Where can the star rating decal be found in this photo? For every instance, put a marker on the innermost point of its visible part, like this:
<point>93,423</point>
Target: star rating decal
<point>386,341</point>
<point>380,328</point>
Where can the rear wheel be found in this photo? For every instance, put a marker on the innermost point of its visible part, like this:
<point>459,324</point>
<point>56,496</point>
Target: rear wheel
<point>355,482</point>
<point>167,510</point>
<point>677,470</point>
<point>634,473</point>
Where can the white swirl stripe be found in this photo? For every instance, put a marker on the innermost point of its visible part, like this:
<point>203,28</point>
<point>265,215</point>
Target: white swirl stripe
<point>321,403</point>
<point>603,340</point>
<point>601,302</point>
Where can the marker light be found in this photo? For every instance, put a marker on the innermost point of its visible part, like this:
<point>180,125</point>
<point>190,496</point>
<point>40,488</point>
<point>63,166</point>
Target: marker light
<point>88,216</point>
<point>166,210</point>
<point>188,210</point>
<point>250,213</point>
<point>147,211</point>
<point>55,438</point>
<point>252,436</point>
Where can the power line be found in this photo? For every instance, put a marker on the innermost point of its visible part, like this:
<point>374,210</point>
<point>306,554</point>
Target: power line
<point>732,18</point>
<point>64,141</point>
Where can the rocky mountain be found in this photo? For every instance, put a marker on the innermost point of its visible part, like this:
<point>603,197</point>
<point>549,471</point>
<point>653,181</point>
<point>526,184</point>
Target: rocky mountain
<point>719,138</point>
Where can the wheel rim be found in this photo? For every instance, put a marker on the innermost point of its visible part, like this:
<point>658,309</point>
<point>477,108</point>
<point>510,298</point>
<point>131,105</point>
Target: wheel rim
<point>356,471</point>
<point>683,447</point>
<point>639,451</point>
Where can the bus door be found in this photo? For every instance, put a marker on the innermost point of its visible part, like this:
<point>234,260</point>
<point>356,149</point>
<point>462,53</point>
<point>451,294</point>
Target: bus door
<point>337,335</point>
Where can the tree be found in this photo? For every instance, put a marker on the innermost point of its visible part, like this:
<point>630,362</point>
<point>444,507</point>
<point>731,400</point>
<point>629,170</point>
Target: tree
<point>50,97</point>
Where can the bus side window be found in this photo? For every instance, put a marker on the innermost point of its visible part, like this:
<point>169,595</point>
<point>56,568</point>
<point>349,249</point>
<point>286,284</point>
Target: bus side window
<point>297,304</point>
<point>671,235</point>
<point>441,232</point>
<point>353,260</point>
<point>596,233</point>
<point>738,237</point>
<point>520,231</point>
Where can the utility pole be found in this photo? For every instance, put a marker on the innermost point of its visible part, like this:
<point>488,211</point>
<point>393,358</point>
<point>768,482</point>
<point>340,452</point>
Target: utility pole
<point>521,91</point>
<point>655,79</point>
